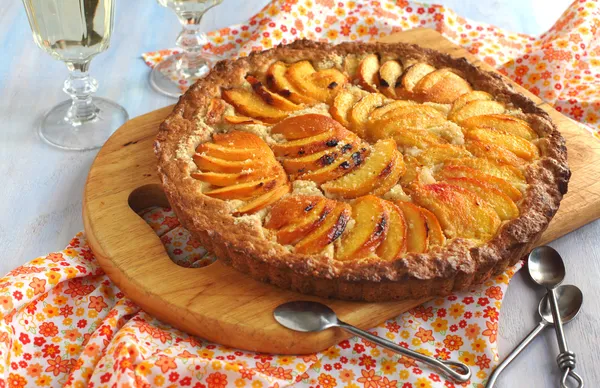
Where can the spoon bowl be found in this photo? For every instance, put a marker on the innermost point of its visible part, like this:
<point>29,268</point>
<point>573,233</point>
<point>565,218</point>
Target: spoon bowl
<point>570,300</point>
<point>546,267</point>
<point>305,316</point>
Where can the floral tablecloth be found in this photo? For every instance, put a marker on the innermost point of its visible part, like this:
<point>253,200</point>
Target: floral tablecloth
<point>62,321</point>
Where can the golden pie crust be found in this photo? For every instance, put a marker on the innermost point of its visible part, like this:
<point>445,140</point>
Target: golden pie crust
<point>246,247</point>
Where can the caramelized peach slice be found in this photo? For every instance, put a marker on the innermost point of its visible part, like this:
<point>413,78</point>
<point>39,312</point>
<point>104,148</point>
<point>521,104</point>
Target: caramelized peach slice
<point>263,201</point>
<point>277,81</point>
<point>476,108</point>
<point>359,114</point>
<point>241,120</point>
<point>226,179</point>
<point>297,216</point>
<point>502,204</point>
<point>232,154</point>
<point>442,86</point>
<point>434,229</point>
<point>438,153</point>
<point>329,231</point>
<point>460,212</point>
<point>389,74</point>
<point>502,185</point>
<point>394,244</point>
<point>340,166</point>
<point>271,98</point>
<point>209,163</point>
<point>407,138</point>
<point>501,122</point>
<point>240,140</point>
<point>384,162</point>
<point>249,104</point>
<point>368,73</point>
<point>245,190</point>
<point>379,113</point>
<point>517,145</point>
<point>312,144</point>
<point>413,75</point>
<point>342,104</point>
<point>494,152</point>
<point>317,160</point>
<point>409,115</point>
<point>417,235</point>
<point>320,85</point>
<point>299,127</point>
<point>372,223</point>
<point>502,171</point>
<point>468,97</point>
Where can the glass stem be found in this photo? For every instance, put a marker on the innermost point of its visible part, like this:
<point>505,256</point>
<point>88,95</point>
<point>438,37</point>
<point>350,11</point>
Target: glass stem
<point>191,41</point>
<point>80,86</point>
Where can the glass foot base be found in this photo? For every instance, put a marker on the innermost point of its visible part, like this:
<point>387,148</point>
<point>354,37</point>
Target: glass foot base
<point>58,131</point>
<point>168,79</point>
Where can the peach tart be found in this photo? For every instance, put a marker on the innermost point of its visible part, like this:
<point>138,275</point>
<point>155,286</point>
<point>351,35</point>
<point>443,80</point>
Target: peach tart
<point>361,171</point>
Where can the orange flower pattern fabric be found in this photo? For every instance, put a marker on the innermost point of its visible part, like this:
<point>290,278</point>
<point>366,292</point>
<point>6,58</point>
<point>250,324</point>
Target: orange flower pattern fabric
<point>561,66</point>
<point>64,323</point>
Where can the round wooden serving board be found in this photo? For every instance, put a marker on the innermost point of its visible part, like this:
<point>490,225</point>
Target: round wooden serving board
<point>225,306</point>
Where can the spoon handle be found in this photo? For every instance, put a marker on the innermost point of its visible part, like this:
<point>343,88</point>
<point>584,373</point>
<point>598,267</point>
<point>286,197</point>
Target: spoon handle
<point>455,370</point>
<point>510,358</point>
<point>558,326</point>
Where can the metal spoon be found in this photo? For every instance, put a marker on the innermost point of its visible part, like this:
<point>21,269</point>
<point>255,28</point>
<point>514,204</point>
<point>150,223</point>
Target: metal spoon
<point>547,269</point>
<point>313,316</point>
<point>570,299</point>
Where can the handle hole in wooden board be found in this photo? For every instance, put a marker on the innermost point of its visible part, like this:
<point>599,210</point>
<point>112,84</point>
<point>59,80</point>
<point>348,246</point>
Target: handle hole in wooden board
<point>151,204</point>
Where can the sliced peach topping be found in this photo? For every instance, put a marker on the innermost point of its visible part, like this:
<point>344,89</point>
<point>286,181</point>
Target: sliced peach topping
<point>326,233</point>
<point>371,218</point>
<point>342,105</point>
<point>245,190</point>
<point>517,145</point>
<point>434,229</point>
<point>417,234</point>
<point>299,127</point>
<point>468,97</point>
<point>278,82</point>
<point>476,108</point>
<point>271,98</point>
<point>510,124</point>
<point>438,153</point>
<point>464,171</point>
<point>359,114</point>
<point>503,171</point>
<point>384,161</point>
<point>389,75</point>
<point>250,104</point>
<point>442,86</point>
<point>340,166</point>
<point>263,200</point>
<point>394,244</point>
<point>368,72</point>
<point>502,204</point>
<point>494,152</point>
<point>460,212</point>
<point>412,76</point>
<point>320,85</point>
<point>318,160</point>
<point>312,144</point>
<point>295,217</point>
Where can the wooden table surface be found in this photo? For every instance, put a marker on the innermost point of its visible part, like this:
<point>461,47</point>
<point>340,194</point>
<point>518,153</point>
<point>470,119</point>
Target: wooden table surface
<point>40,195</point>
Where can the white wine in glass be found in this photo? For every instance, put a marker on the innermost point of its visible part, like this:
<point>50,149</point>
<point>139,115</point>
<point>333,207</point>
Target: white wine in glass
<point>172,74</point>
<point>74,31</point>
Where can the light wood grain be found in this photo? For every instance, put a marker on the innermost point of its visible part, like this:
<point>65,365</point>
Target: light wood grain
<point>217,302</point>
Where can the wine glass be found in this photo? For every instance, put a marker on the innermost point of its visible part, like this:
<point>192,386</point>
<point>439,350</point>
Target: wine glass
<point>174,74</point>
<point>74,31</point>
